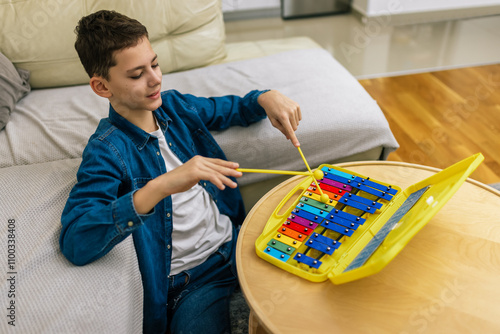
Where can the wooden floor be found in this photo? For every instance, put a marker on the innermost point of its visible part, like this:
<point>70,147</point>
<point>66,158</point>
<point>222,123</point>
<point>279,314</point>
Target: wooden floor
<point>440,118</point>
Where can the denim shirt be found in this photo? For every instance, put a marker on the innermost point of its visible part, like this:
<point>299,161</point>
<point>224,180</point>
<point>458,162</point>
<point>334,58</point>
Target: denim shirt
<point>119,159</point>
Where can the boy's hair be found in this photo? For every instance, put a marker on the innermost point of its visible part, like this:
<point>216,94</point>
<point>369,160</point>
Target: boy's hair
<point>100,34</point>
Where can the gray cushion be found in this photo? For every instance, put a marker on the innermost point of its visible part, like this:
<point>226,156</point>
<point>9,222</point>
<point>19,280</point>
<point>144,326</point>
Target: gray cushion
<point>339,118</point>
<point>13,86</point>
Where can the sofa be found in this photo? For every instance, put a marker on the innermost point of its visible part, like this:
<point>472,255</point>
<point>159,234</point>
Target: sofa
<point>48,112</point>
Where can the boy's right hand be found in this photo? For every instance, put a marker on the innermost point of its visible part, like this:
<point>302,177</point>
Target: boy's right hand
<point>200,168</point>
<point>184,178</point>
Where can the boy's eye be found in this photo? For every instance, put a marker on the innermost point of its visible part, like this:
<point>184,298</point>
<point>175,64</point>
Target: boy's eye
<point>140,75</point>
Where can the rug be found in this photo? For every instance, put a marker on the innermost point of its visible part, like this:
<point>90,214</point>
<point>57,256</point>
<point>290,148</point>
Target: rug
<point>239,313</point>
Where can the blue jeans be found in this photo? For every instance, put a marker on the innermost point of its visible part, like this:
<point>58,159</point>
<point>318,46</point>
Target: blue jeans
<point>198,298</point>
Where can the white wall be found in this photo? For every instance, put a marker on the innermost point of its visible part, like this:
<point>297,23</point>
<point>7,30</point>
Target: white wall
<point>376,7</point>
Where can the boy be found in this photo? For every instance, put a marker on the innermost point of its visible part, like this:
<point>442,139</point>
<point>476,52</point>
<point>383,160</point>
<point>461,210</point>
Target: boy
<point>153,170</point>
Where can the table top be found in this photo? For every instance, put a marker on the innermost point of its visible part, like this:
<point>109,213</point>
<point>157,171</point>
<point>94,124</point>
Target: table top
<point>445,278</point>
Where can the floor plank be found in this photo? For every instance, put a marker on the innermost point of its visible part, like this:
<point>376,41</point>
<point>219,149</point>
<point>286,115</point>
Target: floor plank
<point>440,118</point>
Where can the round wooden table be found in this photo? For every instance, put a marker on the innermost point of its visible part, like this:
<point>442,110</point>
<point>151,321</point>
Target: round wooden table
<point>447,279</point>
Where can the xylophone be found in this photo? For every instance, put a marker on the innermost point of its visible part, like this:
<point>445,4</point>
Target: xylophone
<point>361,227</point>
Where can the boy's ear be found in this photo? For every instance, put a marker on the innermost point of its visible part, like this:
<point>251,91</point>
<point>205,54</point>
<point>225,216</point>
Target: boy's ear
<point>100,86</point>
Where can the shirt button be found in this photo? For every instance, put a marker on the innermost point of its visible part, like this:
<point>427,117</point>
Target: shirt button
<point>130,224</point>
<point>157,153</point>
<point>170,144</point>
<point>168,215</point>
<point>168,246</point>
<point>204,184</point>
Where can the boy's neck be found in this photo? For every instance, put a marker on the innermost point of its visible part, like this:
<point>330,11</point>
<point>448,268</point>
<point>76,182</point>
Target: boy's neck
<point>144,120</point>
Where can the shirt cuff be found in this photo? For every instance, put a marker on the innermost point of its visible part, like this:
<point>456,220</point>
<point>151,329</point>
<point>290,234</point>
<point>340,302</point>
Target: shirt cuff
<point>259,112</point>
<point>125,216</point>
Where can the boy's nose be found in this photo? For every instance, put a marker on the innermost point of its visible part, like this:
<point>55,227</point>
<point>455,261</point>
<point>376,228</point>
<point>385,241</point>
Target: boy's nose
<point>155,78</point>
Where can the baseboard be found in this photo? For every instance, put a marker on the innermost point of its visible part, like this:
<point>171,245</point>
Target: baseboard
<point>388,18</point>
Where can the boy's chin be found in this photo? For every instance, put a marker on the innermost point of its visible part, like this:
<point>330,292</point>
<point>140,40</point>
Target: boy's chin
<point>155,104</point>
<point>158,105</point>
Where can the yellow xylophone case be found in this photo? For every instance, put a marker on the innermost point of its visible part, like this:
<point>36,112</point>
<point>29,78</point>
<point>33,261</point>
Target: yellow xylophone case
<point>360,230</point>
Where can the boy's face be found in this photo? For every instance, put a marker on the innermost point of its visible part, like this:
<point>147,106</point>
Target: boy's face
<point>134,83</point>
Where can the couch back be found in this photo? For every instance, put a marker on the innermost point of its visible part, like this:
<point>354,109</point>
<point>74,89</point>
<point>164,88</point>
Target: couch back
<point>38,35</point>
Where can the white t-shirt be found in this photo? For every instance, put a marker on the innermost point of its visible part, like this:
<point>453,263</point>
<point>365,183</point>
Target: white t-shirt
<point>199,229</point>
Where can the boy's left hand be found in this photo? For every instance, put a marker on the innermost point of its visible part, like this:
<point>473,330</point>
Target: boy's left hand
<point>283,112</point>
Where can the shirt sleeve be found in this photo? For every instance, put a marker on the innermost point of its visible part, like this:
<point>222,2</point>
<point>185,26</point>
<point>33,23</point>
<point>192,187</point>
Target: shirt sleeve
<point>96,216</point>
<point>219,113</point>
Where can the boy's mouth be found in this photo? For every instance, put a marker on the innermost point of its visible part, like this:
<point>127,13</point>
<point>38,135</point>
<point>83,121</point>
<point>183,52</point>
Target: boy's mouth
<point>154,95</point>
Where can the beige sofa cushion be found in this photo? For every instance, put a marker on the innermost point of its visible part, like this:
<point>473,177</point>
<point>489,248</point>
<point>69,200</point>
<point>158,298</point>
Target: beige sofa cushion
<point>38,35</point>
